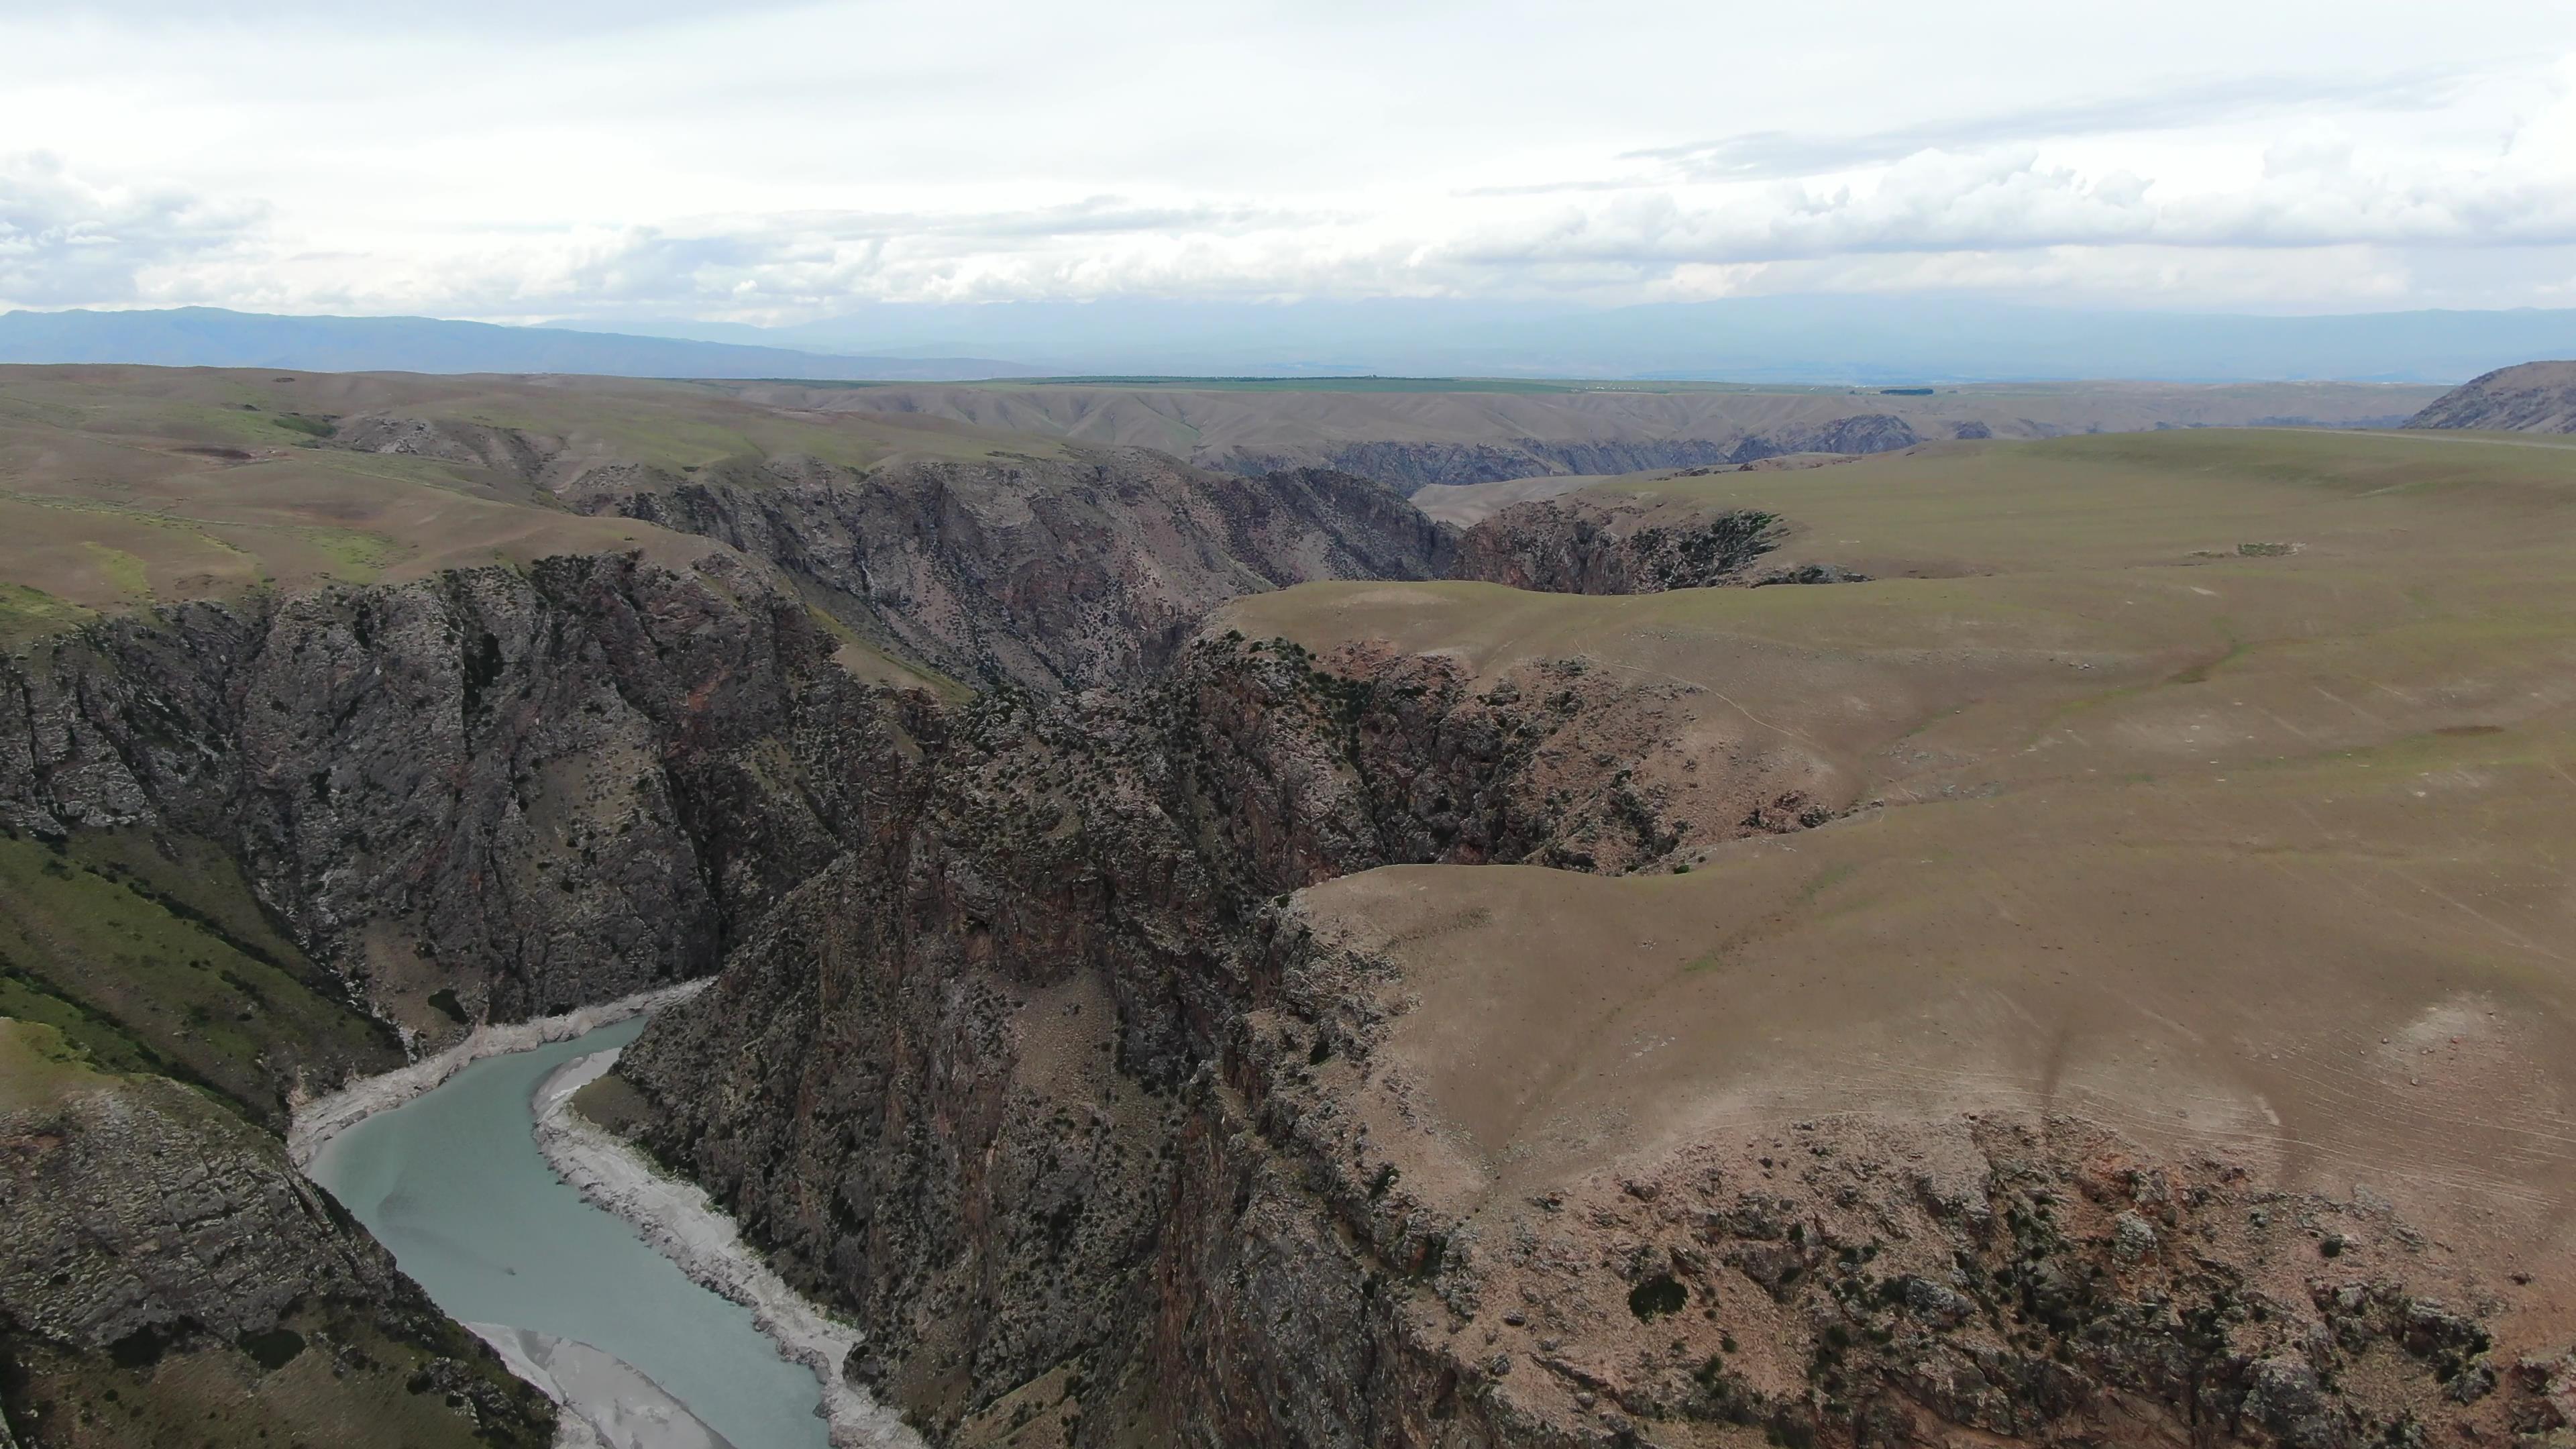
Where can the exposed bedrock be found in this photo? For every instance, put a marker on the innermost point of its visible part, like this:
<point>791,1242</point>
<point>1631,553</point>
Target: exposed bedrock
<point>529,790</point>
<point>1046,574</point>
<point>1579,545</point>
<point>1084,567</point>
<point>1192,1230</point>
<point>2535,397</point>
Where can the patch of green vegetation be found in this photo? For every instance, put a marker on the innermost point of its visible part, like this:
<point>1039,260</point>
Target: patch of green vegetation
<point>101,1041</point>
<point>383,1382</point>
<point>356,557</point>
<point>27,613</point>
<point>153,955</point>
<point>877,664</point>
<point>2199,673</point>
<point>444,1001</point>
<point>614,1104</point>
<point>38,1063</point>
<point>123,571</point>
<point>1825,880</point>
<point>298,423</point>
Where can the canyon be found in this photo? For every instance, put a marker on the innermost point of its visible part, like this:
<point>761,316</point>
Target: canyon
<point>1227,959</point>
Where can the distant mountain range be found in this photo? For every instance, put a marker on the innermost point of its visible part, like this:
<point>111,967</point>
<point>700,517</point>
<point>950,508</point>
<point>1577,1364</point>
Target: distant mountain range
<point>213,337</point>
<point>1762,340</point>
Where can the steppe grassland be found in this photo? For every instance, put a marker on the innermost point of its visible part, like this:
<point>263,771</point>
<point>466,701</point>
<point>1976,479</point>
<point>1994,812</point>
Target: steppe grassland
<point>126,487</point>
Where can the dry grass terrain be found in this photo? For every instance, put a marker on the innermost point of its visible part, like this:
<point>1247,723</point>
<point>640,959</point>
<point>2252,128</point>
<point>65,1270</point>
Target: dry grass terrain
<point>2213,787</point>
<point>121,487</point>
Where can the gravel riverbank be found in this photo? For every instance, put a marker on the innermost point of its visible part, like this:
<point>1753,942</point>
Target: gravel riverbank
<point>326,1117</point>
<point>683,1225</point>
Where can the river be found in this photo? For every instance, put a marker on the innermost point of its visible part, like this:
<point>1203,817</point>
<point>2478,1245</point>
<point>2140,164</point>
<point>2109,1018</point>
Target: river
<point>452,1183</point>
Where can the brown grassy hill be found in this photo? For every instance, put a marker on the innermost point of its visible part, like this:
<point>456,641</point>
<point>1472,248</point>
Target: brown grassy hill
<point>2536,397</point>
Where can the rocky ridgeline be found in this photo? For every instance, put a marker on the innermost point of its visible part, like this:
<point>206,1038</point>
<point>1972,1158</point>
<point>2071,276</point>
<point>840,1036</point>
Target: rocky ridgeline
<point>1089,570</point>
<point>1046,573</point>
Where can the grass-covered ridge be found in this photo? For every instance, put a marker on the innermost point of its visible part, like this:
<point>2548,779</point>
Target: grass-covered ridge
<point>149,954</point>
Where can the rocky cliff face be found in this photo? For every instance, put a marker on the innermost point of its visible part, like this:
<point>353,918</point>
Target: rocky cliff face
<point>956,1081</point>
<point>1578,545</point>
<point>1044,574</point>
<point>1081,569</point>
<point>2536,397</point>
<point>480,796</point>
<point>1851,1282</point>
<point>1056,1087</point>
<point>522,791</point>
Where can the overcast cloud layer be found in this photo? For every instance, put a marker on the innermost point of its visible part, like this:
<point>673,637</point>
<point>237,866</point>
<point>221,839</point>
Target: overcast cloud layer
<point>780,163</point>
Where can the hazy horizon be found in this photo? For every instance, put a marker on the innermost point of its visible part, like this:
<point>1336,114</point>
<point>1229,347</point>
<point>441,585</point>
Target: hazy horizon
<point>1825,340</point>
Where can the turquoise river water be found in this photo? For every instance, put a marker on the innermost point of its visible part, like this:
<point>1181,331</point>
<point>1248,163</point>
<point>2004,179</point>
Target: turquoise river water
<point>452,1182</point>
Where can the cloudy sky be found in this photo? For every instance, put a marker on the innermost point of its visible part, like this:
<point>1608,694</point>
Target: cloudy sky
<point>518,159</point>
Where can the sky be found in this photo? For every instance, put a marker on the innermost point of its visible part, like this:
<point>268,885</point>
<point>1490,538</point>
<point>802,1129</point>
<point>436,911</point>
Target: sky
<point>776,163</point>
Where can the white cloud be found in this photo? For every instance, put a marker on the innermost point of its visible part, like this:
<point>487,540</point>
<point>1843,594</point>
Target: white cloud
<point>788,160</point>
<point>67,241</point>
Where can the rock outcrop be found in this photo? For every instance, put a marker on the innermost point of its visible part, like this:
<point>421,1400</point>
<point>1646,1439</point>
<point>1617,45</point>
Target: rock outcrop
<point>2535,397</point>
<point>1580,545</point>
<point>1042,574</point>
